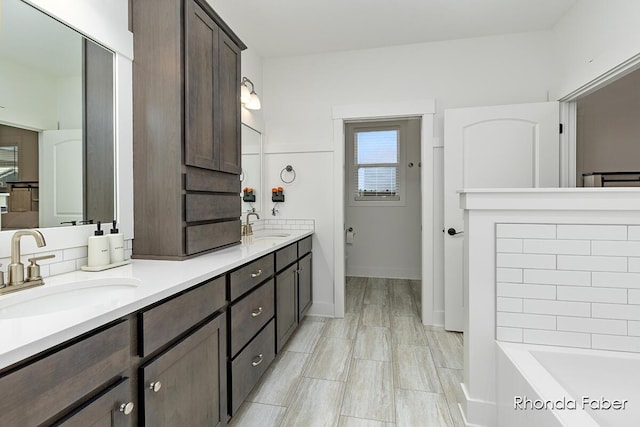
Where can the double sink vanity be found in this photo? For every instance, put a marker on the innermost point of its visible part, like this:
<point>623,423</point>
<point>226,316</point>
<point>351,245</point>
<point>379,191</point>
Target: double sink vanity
<point>154,342</point>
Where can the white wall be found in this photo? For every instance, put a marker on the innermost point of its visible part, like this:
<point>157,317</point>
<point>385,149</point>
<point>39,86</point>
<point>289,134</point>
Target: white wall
<point>33,105</point>
<point>252,69</point>
<point>69,102</point>
<point>592,38</point>
<point>299,93</point>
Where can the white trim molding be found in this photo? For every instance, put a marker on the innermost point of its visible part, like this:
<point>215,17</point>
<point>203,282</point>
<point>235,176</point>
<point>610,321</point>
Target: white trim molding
<point>425,109</point>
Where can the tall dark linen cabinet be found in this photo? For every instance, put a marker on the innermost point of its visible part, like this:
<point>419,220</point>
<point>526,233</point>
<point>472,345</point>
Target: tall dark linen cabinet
<point>186,129</point>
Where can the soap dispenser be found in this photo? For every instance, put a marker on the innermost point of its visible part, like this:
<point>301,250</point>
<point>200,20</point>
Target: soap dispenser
<point>98,251</point>
<point>116,245</point>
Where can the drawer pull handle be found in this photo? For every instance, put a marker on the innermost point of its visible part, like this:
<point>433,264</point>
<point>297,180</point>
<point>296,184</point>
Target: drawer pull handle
<point>127,408</point>
<point>256,274</point>
<point>257,360</point>
<point>257,312</point>
<point>155,386</point>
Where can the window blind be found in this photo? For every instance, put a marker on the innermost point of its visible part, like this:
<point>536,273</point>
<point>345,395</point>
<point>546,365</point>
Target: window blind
<point>376,155</point>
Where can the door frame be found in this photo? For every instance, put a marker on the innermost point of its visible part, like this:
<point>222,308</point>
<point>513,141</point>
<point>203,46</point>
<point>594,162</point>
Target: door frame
<point>425,109</point>
<point>569,117</point>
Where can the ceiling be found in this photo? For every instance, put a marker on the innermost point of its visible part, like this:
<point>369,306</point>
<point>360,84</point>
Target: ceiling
<point>277,28</point>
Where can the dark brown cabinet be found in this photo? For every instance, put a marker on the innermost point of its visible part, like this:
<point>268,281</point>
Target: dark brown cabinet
<point>293,288</point>
<point>190,359</point>
<point>186,129</point>
<point>305,293</point>
<point>186,385</point>
<point>45,390</point>
<point>286,305</point>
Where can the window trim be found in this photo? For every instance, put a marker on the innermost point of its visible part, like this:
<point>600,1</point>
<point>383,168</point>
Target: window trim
<point>351,168</point>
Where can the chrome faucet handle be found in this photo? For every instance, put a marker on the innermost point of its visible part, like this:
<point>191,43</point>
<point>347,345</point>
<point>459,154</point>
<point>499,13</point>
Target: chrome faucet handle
<point>33,269</point>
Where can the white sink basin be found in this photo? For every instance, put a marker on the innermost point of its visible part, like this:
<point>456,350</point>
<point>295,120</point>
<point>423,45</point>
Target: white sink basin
<point>270,236</point>
<point>265,238</point>
<point>81,296</point>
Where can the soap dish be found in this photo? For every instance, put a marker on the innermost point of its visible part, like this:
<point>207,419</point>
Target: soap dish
<point>106,267</point>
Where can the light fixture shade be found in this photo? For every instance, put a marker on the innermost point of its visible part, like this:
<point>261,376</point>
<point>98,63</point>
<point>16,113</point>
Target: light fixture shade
<point>254,102</point>
<point>245,95</point>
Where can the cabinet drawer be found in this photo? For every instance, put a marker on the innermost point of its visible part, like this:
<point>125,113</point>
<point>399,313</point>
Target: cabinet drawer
<point>197,179</point>
<point>286,256</point>
<point>205,237</point>
<point>209,207</point>
<point>166,321</point>
<point>250,314</point>
<point>304,246</point>
<point>250,364</point>
<point>33,394</point>
<point>246,277</point>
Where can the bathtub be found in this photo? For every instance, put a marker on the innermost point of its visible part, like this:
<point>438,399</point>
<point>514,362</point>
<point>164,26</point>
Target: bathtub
<point>559,386</point>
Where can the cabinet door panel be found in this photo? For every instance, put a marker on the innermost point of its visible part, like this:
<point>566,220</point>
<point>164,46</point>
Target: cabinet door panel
<point>229,94</point>
<point>305,292</point>
<point>201,60</point>
<point>192,377</point>
<point>104,410</point>
<point>286,305</point>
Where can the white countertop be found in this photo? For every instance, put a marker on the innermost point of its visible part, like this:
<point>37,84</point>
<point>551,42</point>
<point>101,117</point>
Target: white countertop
<point>25,336</point>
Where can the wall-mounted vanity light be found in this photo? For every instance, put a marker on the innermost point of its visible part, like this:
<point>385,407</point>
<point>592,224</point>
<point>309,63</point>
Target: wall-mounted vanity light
<point>248,98</point>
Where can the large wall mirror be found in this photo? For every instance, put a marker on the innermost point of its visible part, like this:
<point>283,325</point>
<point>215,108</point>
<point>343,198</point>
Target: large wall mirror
<point>251,175</point>
<point>56,123</point>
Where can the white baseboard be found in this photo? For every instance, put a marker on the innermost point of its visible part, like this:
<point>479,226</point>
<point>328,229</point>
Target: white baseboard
<point>383,273</point>
<point>321,309</point>
<point>476,412</point>
<point>438,318</point>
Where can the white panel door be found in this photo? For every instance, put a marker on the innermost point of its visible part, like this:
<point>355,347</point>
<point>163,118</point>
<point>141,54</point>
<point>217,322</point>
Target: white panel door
<point>61,187</point>
<point>505,146</point>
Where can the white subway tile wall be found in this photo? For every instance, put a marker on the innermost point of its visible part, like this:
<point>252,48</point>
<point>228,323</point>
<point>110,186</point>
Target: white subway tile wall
<point>569,285</point>
<point>71,259</point>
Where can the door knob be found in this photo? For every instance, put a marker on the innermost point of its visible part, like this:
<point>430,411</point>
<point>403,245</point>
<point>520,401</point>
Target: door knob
<point>155,386</point>
<point>452,232</point>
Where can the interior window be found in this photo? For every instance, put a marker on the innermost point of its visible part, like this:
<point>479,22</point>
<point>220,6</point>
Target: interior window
<point>375,151</point>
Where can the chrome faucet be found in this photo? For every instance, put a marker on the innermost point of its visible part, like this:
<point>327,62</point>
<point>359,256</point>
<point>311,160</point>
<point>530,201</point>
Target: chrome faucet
<point>247,230</point>
<point>16,280</point>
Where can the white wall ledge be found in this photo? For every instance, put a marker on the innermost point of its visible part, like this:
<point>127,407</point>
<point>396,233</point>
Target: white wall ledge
<point>551,199</point>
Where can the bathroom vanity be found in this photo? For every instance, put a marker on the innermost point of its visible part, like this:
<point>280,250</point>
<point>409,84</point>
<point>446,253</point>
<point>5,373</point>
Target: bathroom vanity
<point>179,344</point>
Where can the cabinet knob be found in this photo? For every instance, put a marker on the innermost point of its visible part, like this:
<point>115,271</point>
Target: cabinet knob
<point>256,274</point>
<point>127,408</point>
<point>257,312</point>
<point>257,360</point>
<point>155,386</point>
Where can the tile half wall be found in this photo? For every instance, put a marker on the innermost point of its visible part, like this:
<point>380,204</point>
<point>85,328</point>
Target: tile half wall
<point>569,285</point>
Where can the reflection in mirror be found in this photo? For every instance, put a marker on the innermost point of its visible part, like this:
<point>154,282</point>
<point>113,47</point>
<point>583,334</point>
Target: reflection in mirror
<point>57,111</point>
<point>251,175</point>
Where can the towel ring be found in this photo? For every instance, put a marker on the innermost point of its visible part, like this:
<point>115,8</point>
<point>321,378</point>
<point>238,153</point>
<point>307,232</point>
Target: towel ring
<point>287,168</point>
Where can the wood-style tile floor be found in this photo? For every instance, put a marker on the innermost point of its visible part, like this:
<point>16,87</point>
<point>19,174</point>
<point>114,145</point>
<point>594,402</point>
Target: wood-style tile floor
<point>379,366</point>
